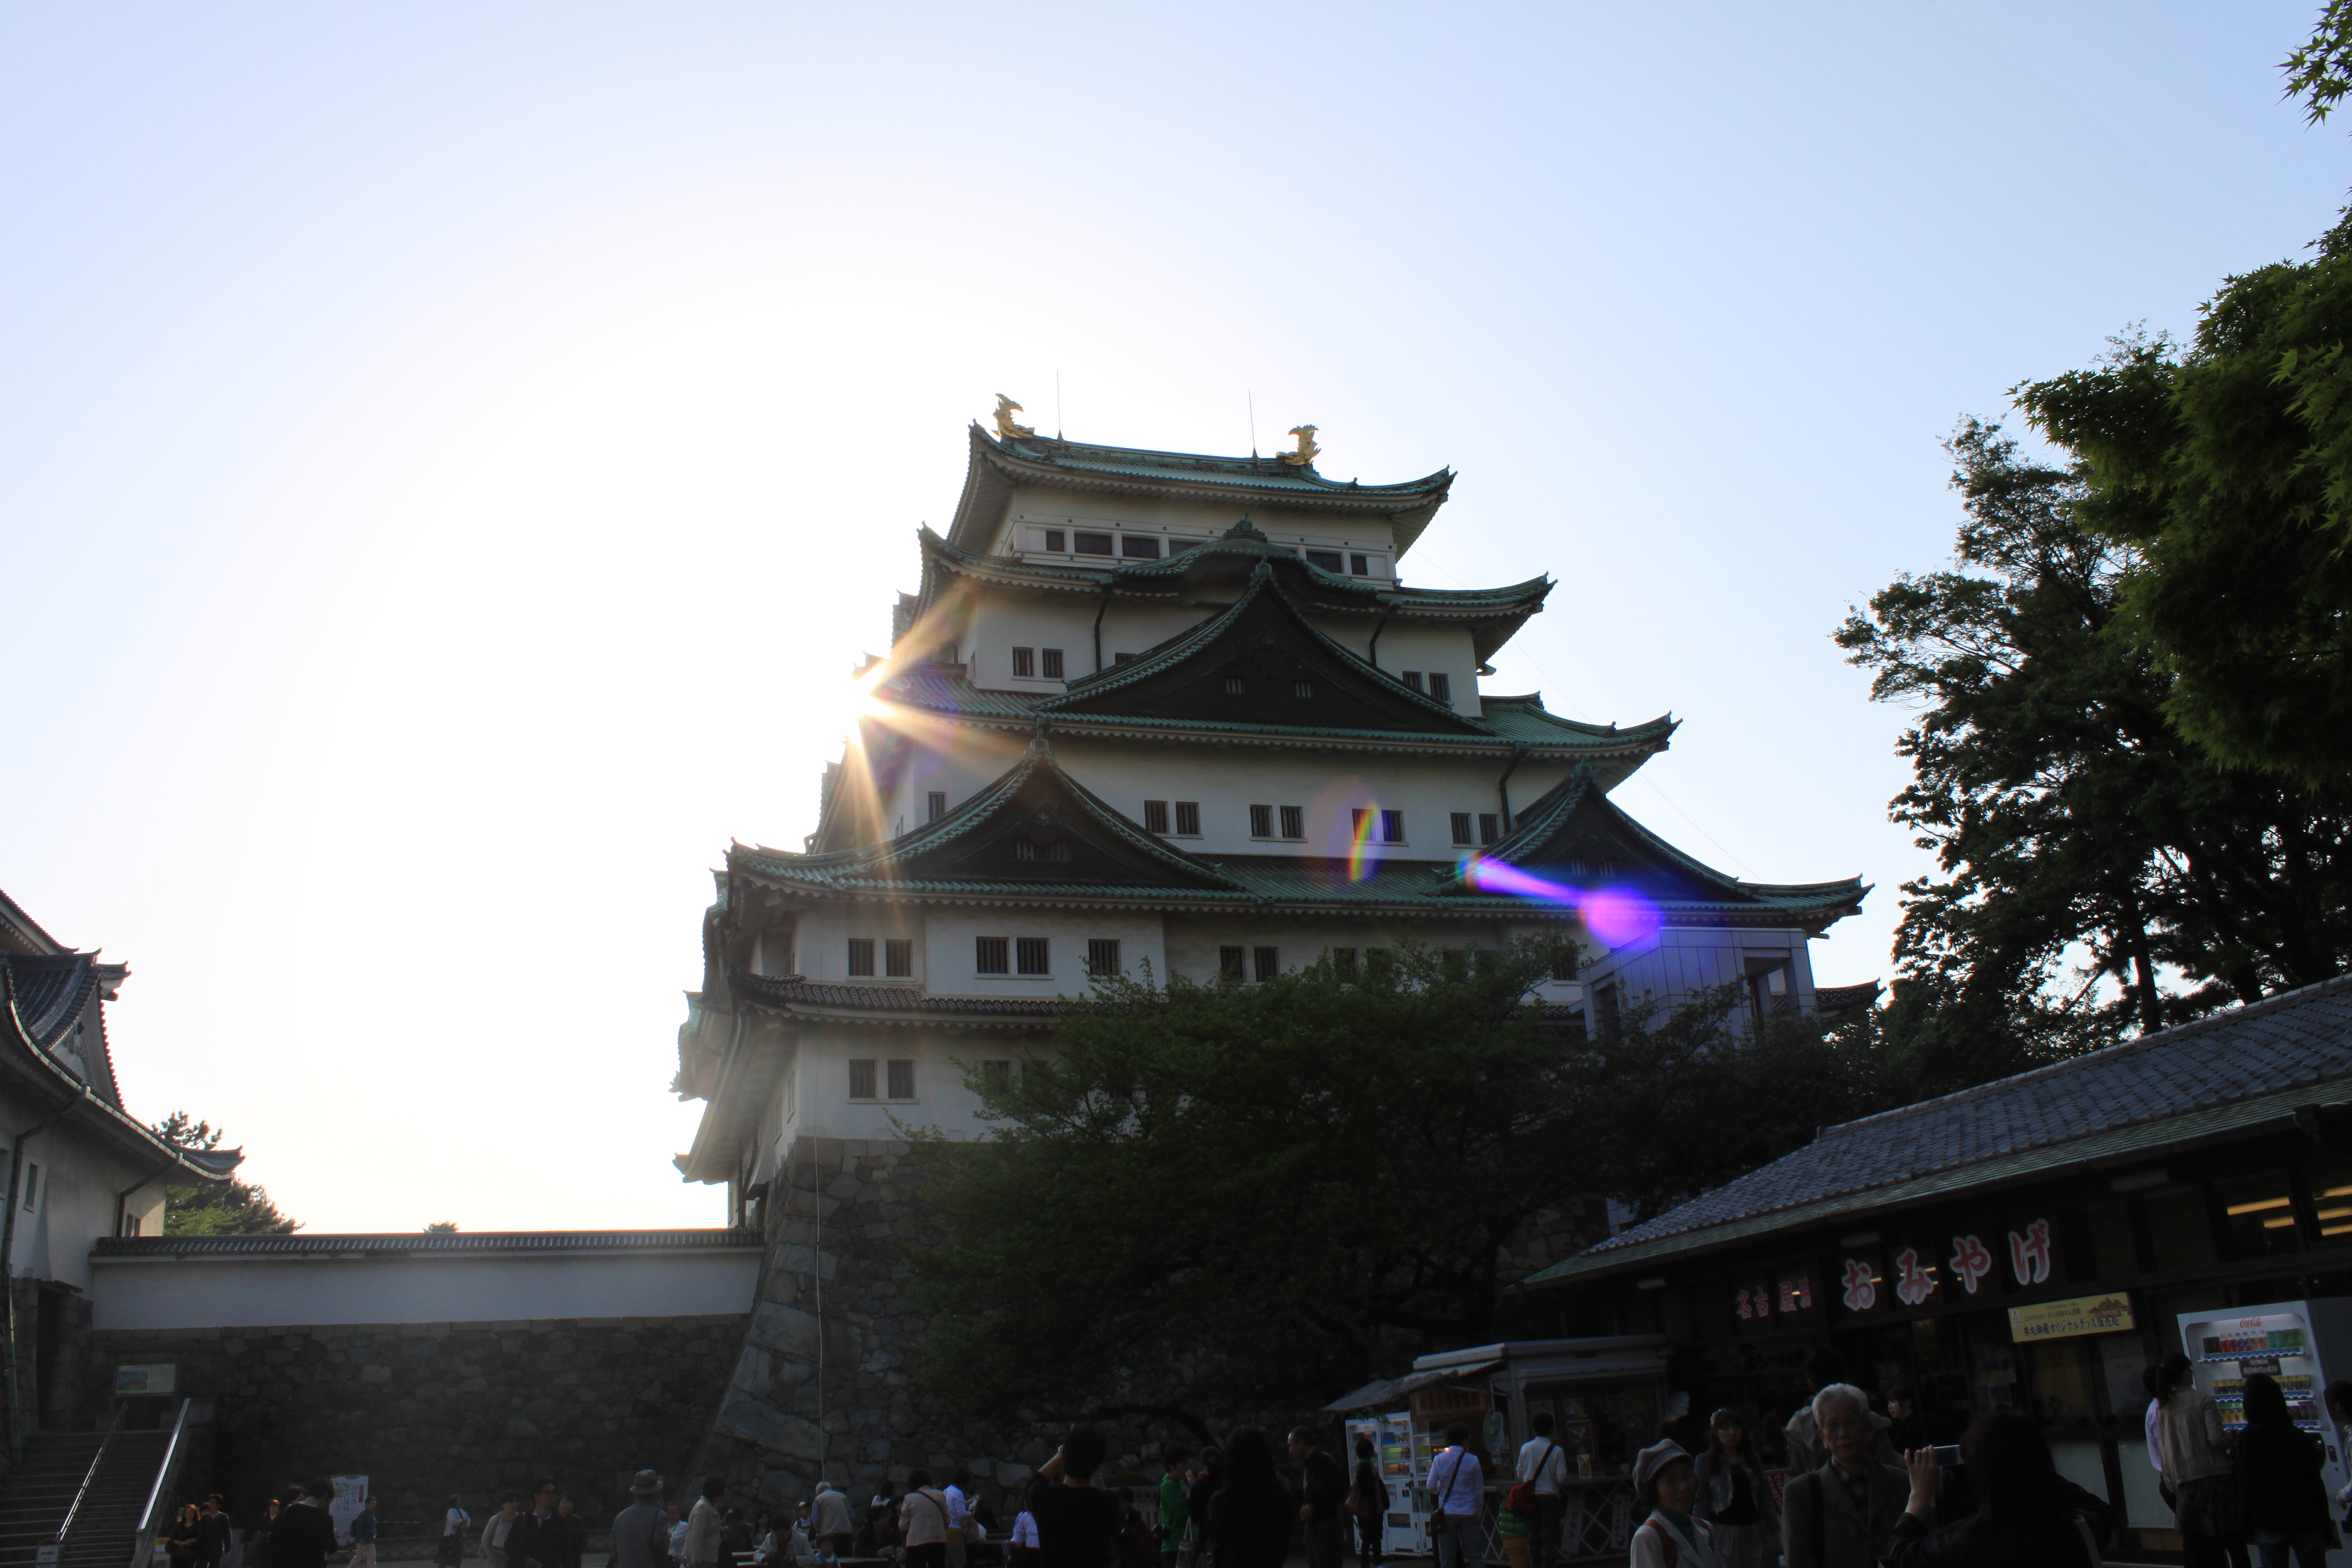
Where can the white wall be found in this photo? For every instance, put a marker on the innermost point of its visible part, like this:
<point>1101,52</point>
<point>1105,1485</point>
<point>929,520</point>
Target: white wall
<point>220,1293</point>
<point>73,1202</point>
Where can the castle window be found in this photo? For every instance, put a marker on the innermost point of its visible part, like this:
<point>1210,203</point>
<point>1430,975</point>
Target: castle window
<point>1155,817</point>
<point>1230,960</point>
<point>1356,816</point>
<point>1357,565</point>
<point>861,955</point>
<point>1090,544</point>
<point>1329,560</point>
<point>1053,664</point>
<point>1294,822</point>
<point>1034,954</point>
<point>1102,955</point>
<point>1461,828</point>
<point>1025,663</point>
<point>1564,966</point>
<point>938,803</point>
<point>898,958</point>
<point>1058,850</point>
<point>995,1078</point>
<point>1267,962</point>
<point>1261,822</point>
<point>1054,540</point>
<point>1025,849</point>
<point>1343,963</point>
<point>1188,819</point>
<point>861,1081</point>
<point>1412,678</point>
<point>902,1080</point>
<point>1119,658</point>
<point>1490,827</point>
<point>1441,686</point>
<point>990,955</point>
<point>1392,827</point>
<point>1139,546</point>
<point>1302,688</point>
<point>1237,686</point>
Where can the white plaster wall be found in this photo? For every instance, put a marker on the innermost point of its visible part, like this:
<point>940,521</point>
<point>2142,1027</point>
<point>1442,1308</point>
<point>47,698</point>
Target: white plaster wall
<point>1193,940</point>
<point>221,1293</point>
<point>956,761</point>
<point>943,1100</point>
<point>1446,649</point>
<point>825,933</point>
<point>951,959</point>
<point>1227,780</point>
<point>73,1204</point>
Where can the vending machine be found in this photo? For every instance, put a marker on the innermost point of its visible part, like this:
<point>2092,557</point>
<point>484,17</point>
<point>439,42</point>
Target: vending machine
<point>2302,1345</point>
<point>1402,1465</point>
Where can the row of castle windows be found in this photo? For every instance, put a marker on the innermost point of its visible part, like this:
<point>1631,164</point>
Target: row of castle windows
<point>1034,955</point>
<point>1147,547</point>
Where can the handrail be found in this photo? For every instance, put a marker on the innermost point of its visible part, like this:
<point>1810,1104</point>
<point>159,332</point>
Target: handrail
<point>143,1546</point>
<point>90,1476</point>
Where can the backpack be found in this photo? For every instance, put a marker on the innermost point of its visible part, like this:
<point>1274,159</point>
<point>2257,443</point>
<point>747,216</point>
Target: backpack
<point>1521,1499</point>
<point>1665,1537</point>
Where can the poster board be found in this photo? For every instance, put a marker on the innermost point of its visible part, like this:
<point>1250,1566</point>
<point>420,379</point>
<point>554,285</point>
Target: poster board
<point>351,1496</point>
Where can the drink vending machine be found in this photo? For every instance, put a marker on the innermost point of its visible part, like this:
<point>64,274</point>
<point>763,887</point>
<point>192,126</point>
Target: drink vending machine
<point>1400,1456</point>
<point>2304,1346</point>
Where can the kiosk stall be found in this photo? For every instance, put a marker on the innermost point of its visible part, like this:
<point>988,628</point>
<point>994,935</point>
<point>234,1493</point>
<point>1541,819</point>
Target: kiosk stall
<point>1606,1397</point>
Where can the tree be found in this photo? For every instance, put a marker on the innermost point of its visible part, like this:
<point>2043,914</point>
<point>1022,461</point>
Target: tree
<point>2320,73</point>
<point>442,1227</point>
<point>233,1208</point>
<point>2097,872</point>
<point>1239,1195</point>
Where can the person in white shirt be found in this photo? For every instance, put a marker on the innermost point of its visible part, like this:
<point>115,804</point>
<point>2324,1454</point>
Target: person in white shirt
<point>1545,1463</point>
<point>677,1532</point>
<point>959,1516</point>
<point>1459,1484</point>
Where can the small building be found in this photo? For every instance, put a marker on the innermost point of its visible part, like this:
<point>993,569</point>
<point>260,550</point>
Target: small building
<point>2033,1243</point>
<point>76,1166</point>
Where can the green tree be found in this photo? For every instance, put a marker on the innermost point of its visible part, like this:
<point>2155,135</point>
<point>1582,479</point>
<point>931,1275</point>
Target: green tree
<point>232,1209</point>
<point>1218,1195</point>
<point>2096,872</point>
<point>2320,73</point>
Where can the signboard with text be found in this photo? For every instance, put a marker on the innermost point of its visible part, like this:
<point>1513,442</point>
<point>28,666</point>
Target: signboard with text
<point>2070,1318</point>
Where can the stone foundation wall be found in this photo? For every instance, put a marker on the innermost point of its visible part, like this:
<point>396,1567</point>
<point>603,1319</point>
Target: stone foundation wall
<point>840,1216</point>
<point>838,1224</point>
<point>427,1409</point>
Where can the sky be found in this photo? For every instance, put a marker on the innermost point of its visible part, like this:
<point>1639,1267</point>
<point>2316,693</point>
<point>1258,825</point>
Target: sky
<point>451,456</point>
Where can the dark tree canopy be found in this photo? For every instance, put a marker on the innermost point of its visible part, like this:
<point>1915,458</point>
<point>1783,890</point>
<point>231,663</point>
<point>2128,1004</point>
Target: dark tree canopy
<point>1219,1194</point>
<point>2096,872</point>
<point>232,1209</point>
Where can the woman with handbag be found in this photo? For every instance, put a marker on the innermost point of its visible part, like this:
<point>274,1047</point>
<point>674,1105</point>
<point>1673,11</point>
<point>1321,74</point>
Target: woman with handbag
<point>1368,1505</point>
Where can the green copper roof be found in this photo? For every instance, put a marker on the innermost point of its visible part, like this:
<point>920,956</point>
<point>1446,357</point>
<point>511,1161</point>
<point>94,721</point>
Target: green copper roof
<point>997,467</point>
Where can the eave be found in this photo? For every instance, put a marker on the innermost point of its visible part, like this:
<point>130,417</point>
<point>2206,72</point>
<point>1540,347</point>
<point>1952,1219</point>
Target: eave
<point>995,470</point>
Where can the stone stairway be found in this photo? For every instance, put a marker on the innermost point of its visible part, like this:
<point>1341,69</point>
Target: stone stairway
<point>34,1500</point>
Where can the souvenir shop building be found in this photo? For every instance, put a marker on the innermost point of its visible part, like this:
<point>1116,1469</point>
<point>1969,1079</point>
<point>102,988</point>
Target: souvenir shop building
<point>2035,1242</point>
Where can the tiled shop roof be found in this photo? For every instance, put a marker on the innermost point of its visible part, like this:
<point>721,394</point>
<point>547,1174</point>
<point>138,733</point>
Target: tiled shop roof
<point>403,1244</point>
<point>2209,1070</point>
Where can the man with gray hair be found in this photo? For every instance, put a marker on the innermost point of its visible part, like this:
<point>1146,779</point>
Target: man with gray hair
<point>1843,1515</point>
<point>1806,1450</point>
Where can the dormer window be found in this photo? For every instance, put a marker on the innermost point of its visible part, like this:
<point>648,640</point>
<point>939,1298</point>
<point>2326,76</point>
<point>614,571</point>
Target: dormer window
<point>1052,663</point>
<point>1441,686</point>
<point>1412,677</point>
<point>1237,686</point>
<point>1327,560</point>
<point>1139,546</point>
<point>1030,849</point>
<point>1090,544</point>
<point>1055,540</point>
<point>1302,688</point>
<point>1025,663</point>
<point>1357,566</point>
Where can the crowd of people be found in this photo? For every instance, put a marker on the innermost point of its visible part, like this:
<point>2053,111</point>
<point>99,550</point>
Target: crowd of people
<point>1866,1489</point>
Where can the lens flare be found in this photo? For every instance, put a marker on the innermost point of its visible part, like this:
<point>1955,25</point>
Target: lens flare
<point>1616,915</point>
<point>1362,863</point>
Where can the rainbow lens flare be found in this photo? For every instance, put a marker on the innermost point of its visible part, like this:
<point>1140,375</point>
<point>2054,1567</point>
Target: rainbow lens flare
<point>1360,863</point>
<point>1616,915</point>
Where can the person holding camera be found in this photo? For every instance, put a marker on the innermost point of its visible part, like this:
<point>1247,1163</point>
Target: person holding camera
<point>2027,1515</point>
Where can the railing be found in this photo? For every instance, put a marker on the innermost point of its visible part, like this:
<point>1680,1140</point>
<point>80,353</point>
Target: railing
<point>81,1493</point>
<point>142,1545</point>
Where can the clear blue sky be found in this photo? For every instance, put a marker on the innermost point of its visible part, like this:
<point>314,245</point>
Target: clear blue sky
<point>451,454</point>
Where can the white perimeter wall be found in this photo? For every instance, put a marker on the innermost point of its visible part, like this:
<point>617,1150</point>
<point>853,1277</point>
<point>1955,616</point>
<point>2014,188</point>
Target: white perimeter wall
<point>221,1293</point>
